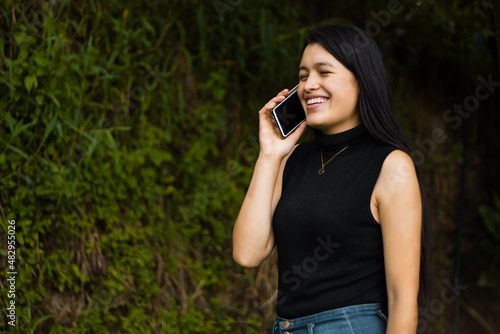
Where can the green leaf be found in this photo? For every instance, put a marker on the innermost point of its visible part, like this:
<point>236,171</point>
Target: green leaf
<point>21,128</point>
<point>41,61</point>
<point>30,81</point>
<point>159,156</point>
<point>23,54</point>
<point>39,99</point>
<point>73,127</point>
<point>121,128</point>
<point>52,124</point>
<point>11,122</point>
<point>59,129</point>
<point>54,99</point>
<point>18,151</point>
<point>20,238</point>
<point>91,148</point>
<point>39,321</point>
<point>8,84</point>
<point>112,143</point>
<point>491,218</point>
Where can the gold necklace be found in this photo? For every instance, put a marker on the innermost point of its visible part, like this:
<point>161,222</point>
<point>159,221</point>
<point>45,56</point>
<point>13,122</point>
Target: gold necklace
<point>322,169</point>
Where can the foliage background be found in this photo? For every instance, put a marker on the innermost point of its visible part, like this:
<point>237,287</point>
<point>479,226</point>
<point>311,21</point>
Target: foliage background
<point>128,135</point>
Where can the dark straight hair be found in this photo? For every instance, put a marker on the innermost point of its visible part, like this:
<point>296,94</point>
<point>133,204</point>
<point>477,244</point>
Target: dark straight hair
<point>360,54</point>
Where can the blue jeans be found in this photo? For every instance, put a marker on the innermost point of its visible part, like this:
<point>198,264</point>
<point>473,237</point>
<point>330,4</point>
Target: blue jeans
<point>356,319</point>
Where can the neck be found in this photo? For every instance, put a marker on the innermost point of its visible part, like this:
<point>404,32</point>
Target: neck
<point>341,139</point>
<point>342,127</point>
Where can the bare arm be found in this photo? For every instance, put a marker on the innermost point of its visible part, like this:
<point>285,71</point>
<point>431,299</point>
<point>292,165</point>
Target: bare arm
<point>253,238</point>
<point>397,197</point>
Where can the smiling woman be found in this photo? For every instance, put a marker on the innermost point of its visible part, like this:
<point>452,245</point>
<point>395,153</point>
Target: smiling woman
<point>328,91</point>
<point>355,185</point>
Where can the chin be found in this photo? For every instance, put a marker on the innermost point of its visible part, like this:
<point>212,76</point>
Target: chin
<point>314,122</point>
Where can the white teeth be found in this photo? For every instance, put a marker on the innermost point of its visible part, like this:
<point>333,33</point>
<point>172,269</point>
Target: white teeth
<point>316,100</point>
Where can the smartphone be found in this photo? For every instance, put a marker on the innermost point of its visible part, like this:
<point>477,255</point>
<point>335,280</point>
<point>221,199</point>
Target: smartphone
<point>289,114</point>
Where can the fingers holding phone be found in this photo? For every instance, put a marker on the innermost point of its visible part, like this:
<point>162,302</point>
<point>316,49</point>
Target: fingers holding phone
<point>273,102</point>
<point>282,122</point>
<point>288,114</point>
<point>264,114</point>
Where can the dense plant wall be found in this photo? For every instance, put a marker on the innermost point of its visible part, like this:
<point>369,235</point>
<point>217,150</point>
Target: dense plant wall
<point>128,135</point>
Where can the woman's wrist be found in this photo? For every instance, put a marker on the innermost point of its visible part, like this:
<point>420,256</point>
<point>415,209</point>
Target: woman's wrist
<point>270,157</point>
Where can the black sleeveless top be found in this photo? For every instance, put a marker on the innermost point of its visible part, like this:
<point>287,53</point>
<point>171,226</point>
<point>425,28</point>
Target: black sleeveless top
<point>330,252</point>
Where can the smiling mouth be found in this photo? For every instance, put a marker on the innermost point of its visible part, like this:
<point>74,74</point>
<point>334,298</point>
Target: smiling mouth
<point>317,100</point>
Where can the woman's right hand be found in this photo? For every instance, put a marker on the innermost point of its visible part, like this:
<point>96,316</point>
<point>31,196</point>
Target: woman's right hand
<point>271,145</point>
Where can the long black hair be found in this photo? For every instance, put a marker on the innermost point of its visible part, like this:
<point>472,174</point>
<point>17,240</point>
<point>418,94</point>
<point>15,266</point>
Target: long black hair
<point>360,54</point>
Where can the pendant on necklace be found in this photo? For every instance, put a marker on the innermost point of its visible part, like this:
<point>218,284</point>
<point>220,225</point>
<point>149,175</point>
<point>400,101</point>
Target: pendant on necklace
<point>321,171</point>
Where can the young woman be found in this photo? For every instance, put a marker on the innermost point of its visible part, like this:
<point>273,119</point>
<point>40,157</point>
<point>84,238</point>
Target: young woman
<point>344,210</point>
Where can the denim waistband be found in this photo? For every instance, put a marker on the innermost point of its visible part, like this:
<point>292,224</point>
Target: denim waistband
<point>349,319</point>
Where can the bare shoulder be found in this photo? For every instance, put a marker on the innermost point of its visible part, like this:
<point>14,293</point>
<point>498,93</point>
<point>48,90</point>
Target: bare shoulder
<point>400,161</point>
<point>397,182</point>
<point>398,171</point>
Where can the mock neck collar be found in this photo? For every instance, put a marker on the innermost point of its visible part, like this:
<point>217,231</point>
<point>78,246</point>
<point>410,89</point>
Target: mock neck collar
<point>341,139</point>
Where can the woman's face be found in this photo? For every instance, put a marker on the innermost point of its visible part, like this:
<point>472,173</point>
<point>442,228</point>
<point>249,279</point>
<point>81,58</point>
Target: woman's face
<point>328,91</point>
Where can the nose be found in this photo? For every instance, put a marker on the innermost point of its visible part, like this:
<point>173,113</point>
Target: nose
<point>311,83</point>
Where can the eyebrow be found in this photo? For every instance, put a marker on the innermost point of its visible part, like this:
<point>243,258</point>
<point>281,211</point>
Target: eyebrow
<point>317,65</point>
